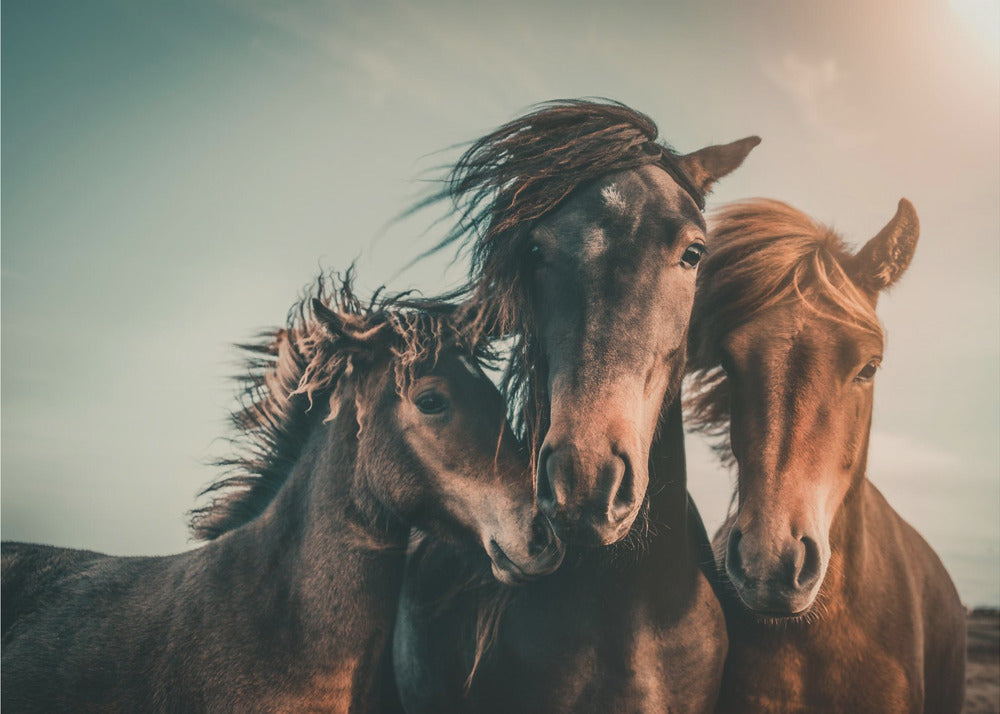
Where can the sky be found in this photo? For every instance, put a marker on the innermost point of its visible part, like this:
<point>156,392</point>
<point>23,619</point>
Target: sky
<point>173,173</point>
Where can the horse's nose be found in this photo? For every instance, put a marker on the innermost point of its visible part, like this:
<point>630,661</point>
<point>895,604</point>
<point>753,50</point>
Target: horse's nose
<point>588,496</point>
<point>542,536</point>
<point>772,578</point>
<point>806,564</point>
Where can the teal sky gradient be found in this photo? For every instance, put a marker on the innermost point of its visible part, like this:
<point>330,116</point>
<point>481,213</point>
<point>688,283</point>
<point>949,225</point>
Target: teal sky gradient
<point>174,172</point>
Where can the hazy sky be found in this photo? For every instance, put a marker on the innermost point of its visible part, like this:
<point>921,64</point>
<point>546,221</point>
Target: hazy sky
<point>174,172</point>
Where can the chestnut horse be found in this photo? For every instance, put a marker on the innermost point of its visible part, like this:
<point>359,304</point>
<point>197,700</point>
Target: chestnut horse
<point>586,235</point>
<point>837,604</point>
<point>360,423</point>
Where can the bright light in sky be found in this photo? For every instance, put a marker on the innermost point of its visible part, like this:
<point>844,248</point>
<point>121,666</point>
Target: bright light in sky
<point>982,19</point>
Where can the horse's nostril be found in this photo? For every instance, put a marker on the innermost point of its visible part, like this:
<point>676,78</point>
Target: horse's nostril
<point>734,561</point>
<point>809,570</point>
<point>543,489</point>
<point>541,536</point>
<point>624,498</point>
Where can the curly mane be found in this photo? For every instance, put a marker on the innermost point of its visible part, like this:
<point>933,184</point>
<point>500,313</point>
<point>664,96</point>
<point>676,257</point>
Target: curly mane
<point>762,253</point>
<point>289,370</point>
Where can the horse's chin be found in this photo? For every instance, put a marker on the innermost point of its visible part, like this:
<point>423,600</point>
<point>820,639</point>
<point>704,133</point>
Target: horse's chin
<point>780,612</point>
<point>511,572</point>
<point>510,577</point>
<point>584,534</point>
<point>506,570</point>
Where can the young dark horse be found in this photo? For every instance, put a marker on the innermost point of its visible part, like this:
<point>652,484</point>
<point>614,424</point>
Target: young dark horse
<point>587,236</point>
<point>361,422</point>
<point>837,604</point>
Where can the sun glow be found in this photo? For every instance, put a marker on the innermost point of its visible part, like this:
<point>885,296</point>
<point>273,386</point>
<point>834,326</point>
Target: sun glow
<point>981,18</point>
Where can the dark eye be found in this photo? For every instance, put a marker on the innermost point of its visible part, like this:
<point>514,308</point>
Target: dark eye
<point>694,253</point>
<point>431,402</point>
<point>867,372</point>
<point>535,255</point>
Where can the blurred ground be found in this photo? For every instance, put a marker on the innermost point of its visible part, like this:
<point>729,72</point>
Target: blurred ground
<point>982,675</point>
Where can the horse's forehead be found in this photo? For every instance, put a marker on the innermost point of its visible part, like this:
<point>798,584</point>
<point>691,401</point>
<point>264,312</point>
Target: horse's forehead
<point>611,211</point>
<point>652,185</point>
<point>613,199</point>
<point>781,332</point>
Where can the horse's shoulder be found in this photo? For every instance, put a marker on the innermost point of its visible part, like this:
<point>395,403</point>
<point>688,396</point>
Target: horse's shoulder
<point>938,607</point>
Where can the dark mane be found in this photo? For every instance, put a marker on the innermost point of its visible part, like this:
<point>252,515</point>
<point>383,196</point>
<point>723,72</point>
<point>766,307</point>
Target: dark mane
<point>291,370</point>
<point>526,168</point>
<point>762,253</point>
<point>512,177</point>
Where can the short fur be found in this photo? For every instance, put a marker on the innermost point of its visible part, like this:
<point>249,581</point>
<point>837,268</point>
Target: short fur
<point>635,627</point>
<point>763,253</point>
<point>784,324</point>
<point>291,604</point>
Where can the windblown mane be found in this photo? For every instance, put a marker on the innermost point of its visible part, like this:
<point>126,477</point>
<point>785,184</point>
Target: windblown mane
<point>516,175</point>
<point>500,187</point>
<point>762,253</point>
<point>291,370</point>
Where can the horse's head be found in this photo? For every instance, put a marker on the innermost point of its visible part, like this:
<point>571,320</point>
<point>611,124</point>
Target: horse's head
<point>588,236</point>
<point>611,282</point>
<point>799,369</point>
<point>434,447</point>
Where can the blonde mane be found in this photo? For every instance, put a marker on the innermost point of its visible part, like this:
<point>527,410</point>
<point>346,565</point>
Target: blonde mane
<point>762,253</point>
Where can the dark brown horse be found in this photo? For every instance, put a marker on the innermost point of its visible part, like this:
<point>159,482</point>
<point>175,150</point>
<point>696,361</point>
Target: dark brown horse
<point>586,236</point>
<point>360,423</point>
<point>837,604</point>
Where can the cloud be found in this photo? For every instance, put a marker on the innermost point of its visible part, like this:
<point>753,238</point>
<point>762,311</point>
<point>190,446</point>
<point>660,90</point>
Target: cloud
<point>399,49</point>
<point>817,90</point>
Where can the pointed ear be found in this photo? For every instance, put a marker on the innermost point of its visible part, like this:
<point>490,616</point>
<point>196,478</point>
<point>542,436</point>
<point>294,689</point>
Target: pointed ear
<point>333,322</point>
<point>706,166</point>
<point>359,339</point>
<point>884,258</point>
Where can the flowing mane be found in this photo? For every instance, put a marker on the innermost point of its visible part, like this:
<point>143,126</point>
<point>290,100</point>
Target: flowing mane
<point>762,253</point>
<point>288,371</point>
<point>527,167</point>
<point>519,173</point>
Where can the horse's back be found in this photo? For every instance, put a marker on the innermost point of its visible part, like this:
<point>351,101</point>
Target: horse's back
<point>28,574</point>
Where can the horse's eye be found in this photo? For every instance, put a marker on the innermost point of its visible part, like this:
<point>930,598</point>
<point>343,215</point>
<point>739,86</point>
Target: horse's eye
<point>535,254</point>
<point>431,402</point>
<point>867,372</point>
<point>693,254</point>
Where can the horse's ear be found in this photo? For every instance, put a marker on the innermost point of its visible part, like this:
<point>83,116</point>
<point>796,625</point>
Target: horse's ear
<point>706,166</point>
<point>358,338</point>
<point>331,320</point>
<point>884,259</point>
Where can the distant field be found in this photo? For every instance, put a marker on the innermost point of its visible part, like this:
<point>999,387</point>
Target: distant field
<point>983,670</point>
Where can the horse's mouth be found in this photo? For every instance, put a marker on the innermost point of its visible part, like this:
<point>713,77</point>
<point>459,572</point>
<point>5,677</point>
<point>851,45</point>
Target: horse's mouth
<point>504,569</point>
<point>776,616</point>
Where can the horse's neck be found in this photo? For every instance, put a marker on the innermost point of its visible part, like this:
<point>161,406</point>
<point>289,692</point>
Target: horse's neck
<point>668,497</point>
<point>851,549</point>
<point>318,574</point>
